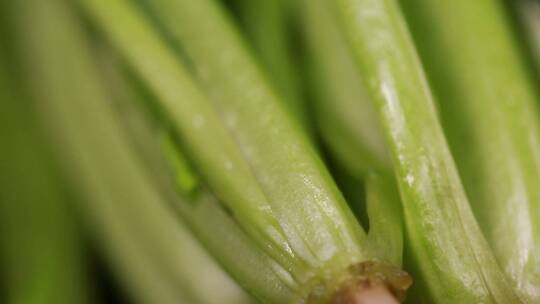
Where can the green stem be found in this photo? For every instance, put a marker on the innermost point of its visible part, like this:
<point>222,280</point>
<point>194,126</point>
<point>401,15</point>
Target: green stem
<point>488,106</point>
<point>453,257</point>
<point>350,126</point>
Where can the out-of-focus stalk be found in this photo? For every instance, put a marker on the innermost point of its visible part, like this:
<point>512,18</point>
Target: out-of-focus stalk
<point>529,12</point>
<point>454,260</point>
<point>41,258</point>
<point>155,255</point>
<point>488,104</point>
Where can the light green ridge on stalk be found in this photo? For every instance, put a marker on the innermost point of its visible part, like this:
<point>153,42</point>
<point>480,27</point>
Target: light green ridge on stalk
<point>204,137</point>
<point>41,259</point>
<point>267,25</point>
<point>349,124</point>
<point>121,199</point>
<point>317,237</point>
<point>454,259</point>
<point>489,110</point>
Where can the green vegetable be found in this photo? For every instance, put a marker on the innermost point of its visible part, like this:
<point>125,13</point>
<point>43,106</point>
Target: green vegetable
<point>245,147</point>
<point>185,141</point>
<point>488,106</point>
<point>455,264</point>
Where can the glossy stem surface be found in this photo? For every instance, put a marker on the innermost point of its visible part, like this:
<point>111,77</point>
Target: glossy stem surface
<point>453,258</point>
<point>489,108</point>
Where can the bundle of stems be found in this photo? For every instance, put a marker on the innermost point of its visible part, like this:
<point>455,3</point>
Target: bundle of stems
<point>266,172</point>
<point>308,151</point>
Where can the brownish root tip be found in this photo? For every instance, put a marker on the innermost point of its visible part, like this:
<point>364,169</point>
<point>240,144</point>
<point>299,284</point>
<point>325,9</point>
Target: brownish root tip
<point>364,292</point>
<point>373,283</point>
